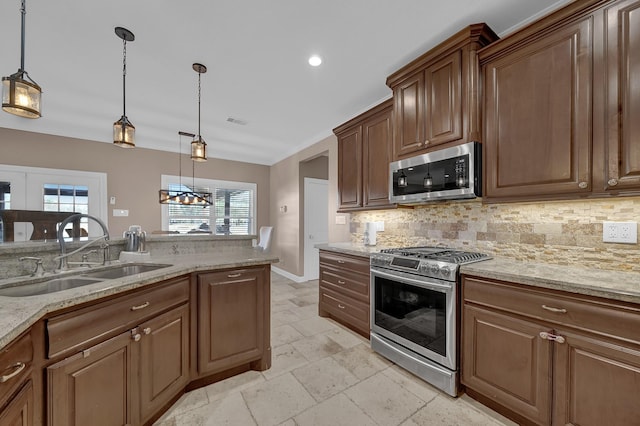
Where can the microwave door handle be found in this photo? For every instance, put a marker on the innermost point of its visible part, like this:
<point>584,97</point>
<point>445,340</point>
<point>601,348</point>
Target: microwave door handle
<point>419,283</point>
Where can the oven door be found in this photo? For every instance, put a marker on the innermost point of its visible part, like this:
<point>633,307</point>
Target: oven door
<point>418,313</point>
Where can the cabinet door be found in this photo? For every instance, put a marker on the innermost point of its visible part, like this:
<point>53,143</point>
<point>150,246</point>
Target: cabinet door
<point>230,319</point>
<point>92,387</point>
<point>350,169</point>
<point>408,101</point>
<point>19,411</point>
<point>538,116</point>
<point>377,156</point>
<point>164,359</point>
<point>622,127</point>
<point>443,102</point>
<point>504,358</point>
<point>596,382</point>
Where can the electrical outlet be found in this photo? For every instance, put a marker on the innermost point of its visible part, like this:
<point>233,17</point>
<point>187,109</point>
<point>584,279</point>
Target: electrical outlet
<point>620,232</point>
<point>380,226</point>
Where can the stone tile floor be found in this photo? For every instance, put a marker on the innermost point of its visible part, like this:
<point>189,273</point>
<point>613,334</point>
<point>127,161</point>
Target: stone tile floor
<point>322,374</point>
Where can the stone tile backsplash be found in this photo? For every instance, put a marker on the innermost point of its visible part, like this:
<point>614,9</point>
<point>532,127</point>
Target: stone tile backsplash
<point>558,232</point>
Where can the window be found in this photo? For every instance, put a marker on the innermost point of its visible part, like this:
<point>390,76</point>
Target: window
<point>232,213</point>
<point>67,198</point>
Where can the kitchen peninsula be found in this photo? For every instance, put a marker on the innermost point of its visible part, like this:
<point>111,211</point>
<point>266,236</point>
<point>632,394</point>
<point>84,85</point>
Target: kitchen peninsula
<point>127,348</point>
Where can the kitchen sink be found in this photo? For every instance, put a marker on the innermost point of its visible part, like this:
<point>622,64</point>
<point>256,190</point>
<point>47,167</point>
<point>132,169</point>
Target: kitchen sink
<point>46,287</point>
<point>125,270</point>
<point>65,283</point>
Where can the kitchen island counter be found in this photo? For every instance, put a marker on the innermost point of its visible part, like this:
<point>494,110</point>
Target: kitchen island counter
<point>17,314</point>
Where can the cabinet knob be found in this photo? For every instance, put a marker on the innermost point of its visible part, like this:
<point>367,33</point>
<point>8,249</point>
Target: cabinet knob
<point>147,330</point>
<point>17,368</point>
<point>419,143</point>
<point>612,182</point>
<point>136,337</point>
<point>583,185</point>
<point>427,142</point>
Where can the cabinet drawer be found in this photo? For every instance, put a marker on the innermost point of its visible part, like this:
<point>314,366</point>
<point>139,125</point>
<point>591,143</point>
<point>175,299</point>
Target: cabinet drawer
<point>353,285</point>
<point>79,329</point>
<point>346,262</point>
<point>15,365</point>
<point>600,316</point>
<point>345,309</point>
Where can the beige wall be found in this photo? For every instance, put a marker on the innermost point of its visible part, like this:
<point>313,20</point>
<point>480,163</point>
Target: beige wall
<point>558,232</point>
<point>286,190</point>
<point>133,174</point>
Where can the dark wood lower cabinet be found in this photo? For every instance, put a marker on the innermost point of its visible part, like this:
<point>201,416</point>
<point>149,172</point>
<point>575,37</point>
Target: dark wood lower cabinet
<point>163,356</point>
<point>233,319</point>
<point>93,387</point>
<point>19,411</point>
<point>547,357</point>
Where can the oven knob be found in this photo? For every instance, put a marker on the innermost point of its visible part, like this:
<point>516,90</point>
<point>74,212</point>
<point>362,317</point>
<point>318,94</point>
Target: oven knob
<point>445,270</point>
<point>434,269</point>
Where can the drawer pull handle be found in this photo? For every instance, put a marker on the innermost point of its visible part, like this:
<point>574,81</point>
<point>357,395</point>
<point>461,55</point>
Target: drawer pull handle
<point>341,282</point>
<point>147,330</point>
<point>340,261</point>
<point>17,368</point>
<point>233,275</point>
<point>137,308</point>
<point>556,310</point>
<point>340,306</point>
<point>552,337</point>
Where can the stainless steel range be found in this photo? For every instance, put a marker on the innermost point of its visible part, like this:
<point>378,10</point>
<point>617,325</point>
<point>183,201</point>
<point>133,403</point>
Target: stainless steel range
<point>414,310</point>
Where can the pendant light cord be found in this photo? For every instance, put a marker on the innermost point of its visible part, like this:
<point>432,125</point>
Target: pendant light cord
<point>124,78</point>
<point>23,12</point>
<point>199,94</point>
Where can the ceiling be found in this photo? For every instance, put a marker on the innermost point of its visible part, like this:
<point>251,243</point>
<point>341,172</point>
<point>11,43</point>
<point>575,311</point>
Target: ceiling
<point>256,53</point>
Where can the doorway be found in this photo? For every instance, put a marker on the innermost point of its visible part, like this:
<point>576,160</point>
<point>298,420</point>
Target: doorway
<point>316,223</point>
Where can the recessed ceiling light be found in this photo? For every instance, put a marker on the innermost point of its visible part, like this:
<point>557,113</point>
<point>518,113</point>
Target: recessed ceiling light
<point>315,60</point>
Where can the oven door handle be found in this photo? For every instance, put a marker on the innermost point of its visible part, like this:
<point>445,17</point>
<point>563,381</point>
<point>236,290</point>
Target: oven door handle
<point>427,283</point>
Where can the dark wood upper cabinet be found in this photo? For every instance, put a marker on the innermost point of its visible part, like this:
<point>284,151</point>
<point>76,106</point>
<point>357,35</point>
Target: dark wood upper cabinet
<point>437,96</point>
<point>560,101</point>
<point>621,150</point>
<point>364,154</point>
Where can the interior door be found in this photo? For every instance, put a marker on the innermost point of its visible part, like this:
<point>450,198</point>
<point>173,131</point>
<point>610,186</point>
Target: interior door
<point>316,224</point>
<point>14,197</point>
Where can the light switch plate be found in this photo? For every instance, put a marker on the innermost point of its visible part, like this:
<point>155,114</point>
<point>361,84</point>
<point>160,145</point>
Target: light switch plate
<point>120,212</point>
<point>620,232</point>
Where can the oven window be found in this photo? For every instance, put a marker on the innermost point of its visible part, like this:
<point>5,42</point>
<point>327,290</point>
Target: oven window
<point>412,312</point>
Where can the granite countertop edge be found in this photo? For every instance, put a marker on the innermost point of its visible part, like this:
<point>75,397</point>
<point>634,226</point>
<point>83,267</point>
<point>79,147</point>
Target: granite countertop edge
<point>17,314</point>
<point>614,285</point>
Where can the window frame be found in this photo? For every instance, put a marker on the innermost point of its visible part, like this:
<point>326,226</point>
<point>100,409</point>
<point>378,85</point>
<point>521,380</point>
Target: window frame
<point>212,184</point>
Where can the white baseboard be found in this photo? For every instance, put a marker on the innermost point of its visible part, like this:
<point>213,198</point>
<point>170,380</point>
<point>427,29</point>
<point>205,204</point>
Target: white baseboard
<point>288,275</point>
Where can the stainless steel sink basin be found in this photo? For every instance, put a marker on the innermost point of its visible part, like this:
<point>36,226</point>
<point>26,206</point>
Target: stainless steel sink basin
<point>47,287</point>
<point>65,283</point>
<point>124,270</point>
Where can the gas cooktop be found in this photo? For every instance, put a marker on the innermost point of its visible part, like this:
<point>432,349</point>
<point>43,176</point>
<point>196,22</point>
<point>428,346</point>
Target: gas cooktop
<point>442,254</point>
<point>436,262</point>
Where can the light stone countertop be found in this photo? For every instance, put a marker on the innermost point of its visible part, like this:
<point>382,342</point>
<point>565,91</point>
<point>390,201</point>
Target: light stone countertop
<point>17,314</point>
<point>622,286</point>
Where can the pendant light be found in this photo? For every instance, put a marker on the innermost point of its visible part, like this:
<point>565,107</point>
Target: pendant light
<point>191,197</point>
<point>428,180</point>
<point>198,145</point>
<point>19,96</point>
<point>123,131</point>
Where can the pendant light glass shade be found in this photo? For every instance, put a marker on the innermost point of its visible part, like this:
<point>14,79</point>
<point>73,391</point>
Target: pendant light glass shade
<point>124,132</point>
<point>19,96</point>
<point>199,146</point>
<point>199,149</point>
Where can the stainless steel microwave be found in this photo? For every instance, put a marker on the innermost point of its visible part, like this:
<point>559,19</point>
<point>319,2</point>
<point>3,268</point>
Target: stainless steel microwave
<point>446,174</point>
